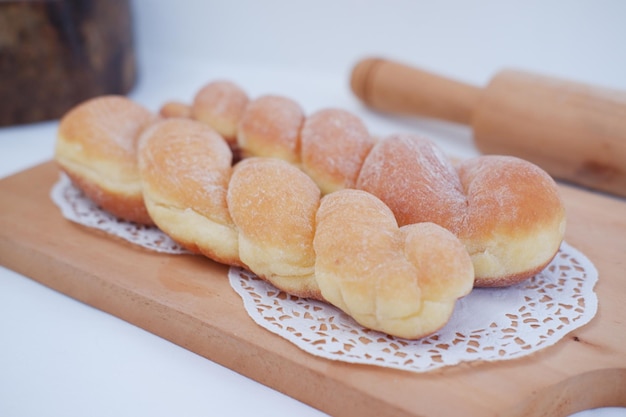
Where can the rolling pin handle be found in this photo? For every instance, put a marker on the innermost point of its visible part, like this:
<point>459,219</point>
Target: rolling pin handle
<point>396,88</point>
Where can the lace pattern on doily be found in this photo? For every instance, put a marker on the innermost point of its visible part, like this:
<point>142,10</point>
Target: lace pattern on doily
<point>75,206</point>
<point>489,324</point>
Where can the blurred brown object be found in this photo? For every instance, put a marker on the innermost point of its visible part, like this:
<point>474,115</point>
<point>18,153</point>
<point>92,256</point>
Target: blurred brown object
<point>57,53</point>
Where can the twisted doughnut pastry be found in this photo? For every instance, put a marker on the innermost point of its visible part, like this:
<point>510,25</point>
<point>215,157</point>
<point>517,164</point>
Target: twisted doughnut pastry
<point>267,215</point>
<point>507,211</point>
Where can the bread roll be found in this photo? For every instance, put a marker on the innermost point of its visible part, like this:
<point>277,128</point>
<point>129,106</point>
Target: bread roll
<point>403,282</point>
<point>185,168</point>
<point>273,205</point>
<point>97,148</point>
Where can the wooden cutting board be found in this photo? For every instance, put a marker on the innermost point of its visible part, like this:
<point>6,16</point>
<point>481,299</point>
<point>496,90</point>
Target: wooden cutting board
<point>188,300</point>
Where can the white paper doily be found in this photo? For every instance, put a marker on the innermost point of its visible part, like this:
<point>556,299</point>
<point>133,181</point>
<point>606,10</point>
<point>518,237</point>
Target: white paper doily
<point>489,324</point>
<point>77,207</point>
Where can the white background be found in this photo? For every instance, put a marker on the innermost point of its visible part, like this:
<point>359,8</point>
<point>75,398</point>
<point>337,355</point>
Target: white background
<point>59,357</point>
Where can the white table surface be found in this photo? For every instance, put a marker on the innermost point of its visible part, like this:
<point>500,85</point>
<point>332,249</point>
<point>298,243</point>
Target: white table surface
<point>59,357</point>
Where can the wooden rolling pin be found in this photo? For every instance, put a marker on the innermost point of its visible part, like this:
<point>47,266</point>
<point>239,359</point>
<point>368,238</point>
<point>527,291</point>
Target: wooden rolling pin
<point>575,132</point>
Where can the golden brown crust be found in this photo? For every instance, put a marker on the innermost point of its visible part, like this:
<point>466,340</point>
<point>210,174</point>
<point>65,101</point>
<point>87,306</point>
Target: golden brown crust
<point>185,168</point>
<point>220,104</point>
<point>403,282</point>
<point>416,180</point>
<point>273,205</point>
<point>395,254</point>
<point>96,146</point>
<point>130,207</point>
<point>515,218</point>
<point>270,127</point>
<point>507,211</point>
<point>334,144</point>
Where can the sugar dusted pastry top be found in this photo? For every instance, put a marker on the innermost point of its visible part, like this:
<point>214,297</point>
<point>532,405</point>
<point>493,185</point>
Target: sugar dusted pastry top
<point>270,126</point>
<point>334,143</point>
<point>219,104</point>
<point>273,205</point>
<point>185,168</point>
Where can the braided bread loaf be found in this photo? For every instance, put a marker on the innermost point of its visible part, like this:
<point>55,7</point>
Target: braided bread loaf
<point>389,257</point>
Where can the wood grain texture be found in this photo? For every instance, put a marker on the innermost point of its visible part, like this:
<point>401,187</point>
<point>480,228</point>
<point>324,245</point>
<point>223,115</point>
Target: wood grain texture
<point>187,300</point>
